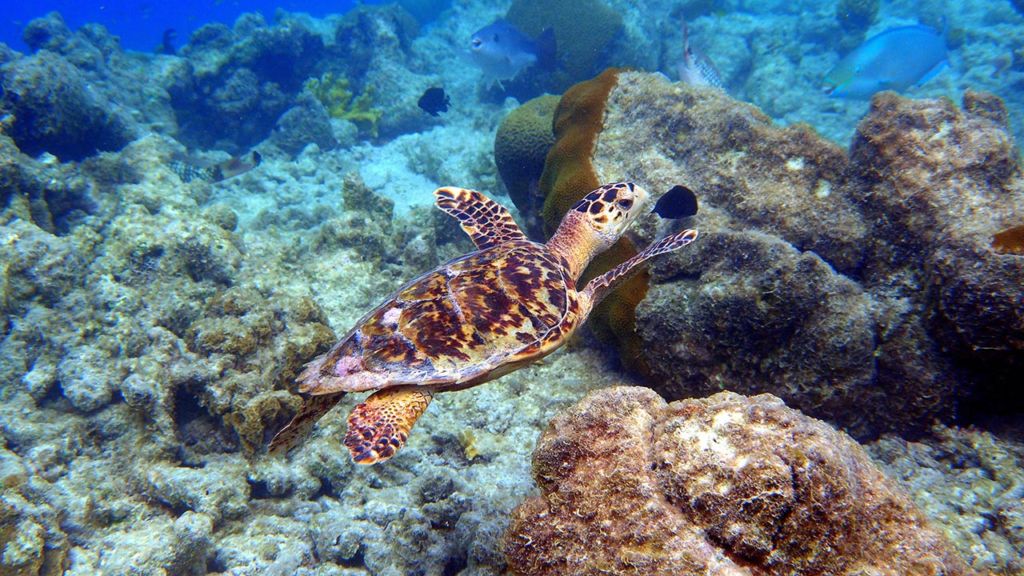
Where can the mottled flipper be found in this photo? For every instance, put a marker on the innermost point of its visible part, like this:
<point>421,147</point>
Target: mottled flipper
<point>599,287</point>
<point>313,407</point>
<point>487,222</point>
<point>379,427</point>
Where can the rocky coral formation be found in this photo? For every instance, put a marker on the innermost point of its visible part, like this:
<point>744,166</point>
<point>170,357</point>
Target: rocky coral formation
<point>238,81</point>
<point>809,278</point>
<point>53,109</point>
<point>725,485</point>
<point>938,470</point>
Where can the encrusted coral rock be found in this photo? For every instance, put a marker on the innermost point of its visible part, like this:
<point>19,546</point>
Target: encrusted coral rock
<point>727,485</point>
<point>54,109</point>
<point>889,307</point>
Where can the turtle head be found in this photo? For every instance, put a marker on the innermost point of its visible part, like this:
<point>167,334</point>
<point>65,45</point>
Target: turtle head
<point>610,210</point>
<point>596,222</point>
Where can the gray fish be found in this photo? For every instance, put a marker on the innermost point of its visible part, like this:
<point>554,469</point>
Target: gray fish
<point>696,69</point>
<point>189,170</point>
<point>502,51</point>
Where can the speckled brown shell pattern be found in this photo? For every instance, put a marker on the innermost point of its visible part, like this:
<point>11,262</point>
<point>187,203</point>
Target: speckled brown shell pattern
<point>452,327</point>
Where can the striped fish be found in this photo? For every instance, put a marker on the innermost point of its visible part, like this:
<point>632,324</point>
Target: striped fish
<point>696,69</point>
<point>189,170</point>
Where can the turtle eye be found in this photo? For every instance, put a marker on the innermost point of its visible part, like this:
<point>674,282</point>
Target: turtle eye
<point>625,203</point>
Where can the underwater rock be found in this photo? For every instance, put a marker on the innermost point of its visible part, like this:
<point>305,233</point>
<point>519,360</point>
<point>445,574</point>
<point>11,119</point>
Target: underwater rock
<point>942,182</point>
<point>48,32</point>
<point>759,295</point>
<point>942,468</point>
<point>54,109</point>
<point>241,80</point>
<point>915,204</point>
<point>305,123</point>
<point>724,485</point>
<point>369,34</point>
<point>30,536</point>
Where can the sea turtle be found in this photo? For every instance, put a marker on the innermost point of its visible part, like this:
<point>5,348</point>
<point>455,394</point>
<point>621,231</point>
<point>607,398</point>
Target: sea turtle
<point>472,319</point>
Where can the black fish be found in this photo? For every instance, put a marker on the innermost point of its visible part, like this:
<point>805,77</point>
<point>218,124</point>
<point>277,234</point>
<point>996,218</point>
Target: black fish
<point>434,101</point>
<point>679,202</point>
<point>167,43</point>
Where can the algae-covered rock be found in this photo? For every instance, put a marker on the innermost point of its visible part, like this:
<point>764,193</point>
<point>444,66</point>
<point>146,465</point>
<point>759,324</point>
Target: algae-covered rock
<point>53,109</point>
<point>914,205</point>
<point>725,485</point>
<point>305,123</point>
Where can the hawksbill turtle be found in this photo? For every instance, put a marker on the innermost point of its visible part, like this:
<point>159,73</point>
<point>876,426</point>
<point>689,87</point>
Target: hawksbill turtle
<point>470,320</point>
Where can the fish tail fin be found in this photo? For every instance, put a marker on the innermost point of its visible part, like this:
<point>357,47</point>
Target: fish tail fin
<point>938,68</point>
<point>547,49</point>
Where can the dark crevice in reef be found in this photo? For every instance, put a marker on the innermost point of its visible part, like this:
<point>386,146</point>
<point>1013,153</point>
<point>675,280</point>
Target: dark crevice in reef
<point>199,431</point>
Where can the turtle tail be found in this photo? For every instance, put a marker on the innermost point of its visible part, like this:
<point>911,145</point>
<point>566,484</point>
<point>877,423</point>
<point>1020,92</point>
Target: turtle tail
<point>313,407</point>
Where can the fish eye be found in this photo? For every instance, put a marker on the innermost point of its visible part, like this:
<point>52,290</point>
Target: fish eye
<point>477,42</point>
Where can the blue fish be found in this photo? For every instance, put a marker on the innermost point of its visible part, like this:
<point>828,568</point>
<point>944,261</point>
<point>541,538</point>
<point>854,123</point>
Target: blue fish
<point>502,51</point>
<point>895,59</point>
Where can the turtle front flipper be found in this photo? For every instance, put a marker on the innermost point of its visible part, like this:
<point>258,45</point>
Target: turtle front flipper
<point>312,409</point>
<point>487,222</point>
<point>379,427</point>
<point>599,287</point>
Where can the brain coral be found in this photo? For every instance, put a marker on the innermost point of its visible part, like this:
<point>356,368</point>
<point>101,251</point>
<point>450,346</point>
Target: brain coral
<point>727,485</point>
<point>520,147</point>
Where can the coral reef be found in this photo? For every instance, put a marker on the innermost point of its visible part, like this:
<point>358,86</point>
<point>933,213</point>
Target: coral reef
<point>724,485</point>
<point>341,103</point>
<point>150,329</point>
<point>805,244</point>
<point>54,110</point>
<point>307,122</point>
<point>520,148</point>
<point>238,81</point>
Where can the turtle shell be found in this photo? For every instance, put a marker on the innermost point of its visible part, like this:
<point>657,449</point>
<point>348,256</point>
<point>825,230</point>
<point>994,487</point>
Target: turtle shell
<point>468,321</point>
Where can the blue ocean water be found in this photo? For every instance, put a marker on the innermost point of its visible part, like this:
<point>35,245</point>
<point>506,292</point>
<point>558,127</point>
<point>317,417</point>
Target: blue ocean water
<point>202,247</point>
<point>140,24</point>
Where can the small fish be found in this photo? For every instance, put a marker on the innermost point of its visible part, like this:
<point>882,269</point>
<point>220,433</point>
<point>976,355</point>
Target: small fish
<point>895,59</point>
<point>189,170</point>
<point>434,101</point>
<point>502,51</point>
<point>678,202</point>
<point>696,69</point>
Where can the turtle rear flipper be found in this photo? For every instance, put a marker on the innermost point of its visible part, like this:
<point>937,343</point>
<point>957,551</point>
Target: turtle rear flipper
<point>312,409</point>
<point>487,222</point>
<point>599,287</point>
<point>379,427</point>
